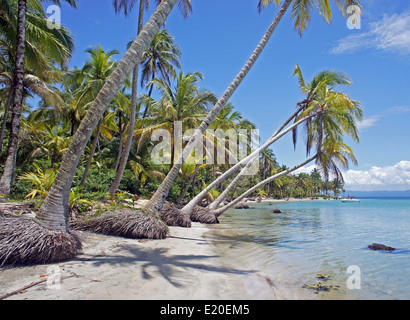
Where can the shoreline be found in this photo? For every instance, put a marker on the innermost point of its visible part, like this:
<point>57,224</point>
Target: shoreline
<point>198,263</point>
<point>183,266</point>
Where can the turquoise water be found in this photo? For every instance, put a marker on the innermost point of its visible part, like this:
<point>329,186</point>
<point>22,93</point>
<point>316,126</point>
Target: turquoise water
<point>327,237</point>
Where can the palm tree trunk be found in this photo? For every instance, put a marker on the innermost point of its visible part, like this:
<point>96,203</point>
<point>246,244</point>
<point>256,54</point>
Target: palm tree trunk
<point>91,156</point>
<point>187,185</point>
<point>158,199</point>
<point>54,211</point>
<point>131,124</point>
<point>128,145</point>
<point>5,118</point>
<point>18,86</point>
<point>218,212</point>
<point>149,95</point>
<point>250,158</point>
<point>117,161</point>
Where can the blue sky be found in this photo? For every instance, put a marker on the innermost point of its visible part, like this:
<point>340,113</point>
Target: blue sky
<point>221,34</point>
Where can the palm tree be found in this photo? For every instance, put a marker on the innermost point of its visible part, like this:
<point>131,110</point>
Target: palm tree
<point>160,58</point>
<point>127,6</point>
<point>301,14</point>
<point>328,116</point>
<point>96,71</point>
<point>333,151</point>
<point>19,69</point>
<point>54,211</point>
<point>311,90</point>
<point>185,104</point>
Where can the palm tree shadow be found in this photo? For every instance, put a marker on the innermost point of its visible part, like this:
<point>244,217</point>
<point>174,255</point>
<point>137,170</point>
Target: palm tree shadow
<point>160,261</point>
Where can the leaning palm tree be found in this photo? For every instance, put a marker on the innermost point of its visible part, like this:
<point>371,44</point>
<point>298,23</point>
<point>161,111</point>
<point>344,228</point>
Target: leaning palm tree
<point>336,153</point>
<point>301,13</point>
<point>48,239</point>
<point>54,211</point>
<point>310,90</point>
<point>126,6</point>
<point>160,58</point>
<point>334,115</point>
<point>325,112</point>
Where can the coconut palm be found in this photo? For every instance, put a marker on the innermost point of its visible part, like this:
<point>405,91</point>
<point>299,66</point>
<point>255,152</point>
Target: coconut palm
<point>327,114</point>
<point>323,79</point>
<point>159,59</point>
<point>301,13</point>
<point>333,151</point>
<point>18,80</point>
<point>185,104</point>
<point>54,211</point>
<point>96,70</point>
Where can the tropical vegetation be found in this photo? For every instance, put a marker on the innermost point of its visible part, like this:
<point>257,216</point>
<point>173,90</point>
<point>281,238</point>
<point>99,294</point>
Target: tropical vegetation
<point>90,139</point>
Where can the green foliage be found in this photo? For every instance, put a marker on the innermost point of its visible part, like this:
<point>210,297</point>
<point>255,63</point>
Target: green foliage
<point>40,180</point>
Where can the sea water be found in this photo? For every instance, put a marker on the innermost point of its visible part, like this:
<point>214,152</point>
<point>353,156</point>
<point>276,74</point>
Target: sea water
<point>310,239</point>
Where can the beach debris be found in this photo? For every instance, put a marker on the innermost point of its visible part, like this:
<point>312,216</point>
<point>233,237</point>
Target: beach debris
<point>379,246</point>
<point>128,223</point>
<point>25,242</point>
<point>276,210</point>
<point>173,216</point>
<point>242,205</point>
<point>321,276</point>
<point>203,215</point>
<point>320,286</point>
<point>24,289</point>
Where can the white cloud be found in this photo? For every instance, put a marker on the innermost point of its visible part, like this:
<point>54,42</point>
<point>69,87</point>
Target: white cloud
<point>396,177</point>
<point>388,178</point>
<point>391,33</point>
<point>307,169</point>
<point>367,122</point>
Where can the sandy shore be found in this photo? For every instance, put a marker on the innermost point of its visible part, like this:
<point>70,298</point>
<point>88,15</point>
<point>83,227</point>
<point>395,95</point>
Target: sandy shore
<point>183,266</point>
<point>202,262</point>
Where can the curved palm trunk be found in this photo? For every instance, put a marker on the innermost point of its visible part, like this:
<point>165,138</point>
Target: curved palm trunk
<point>234,182</point>
<point>5,118</point>
<point>218,212</point>
<point>54,211</point>
<point>91,156</point>
<point>8,171</point>
<point>117,160</point>
<point>187,185</point>
<point>131,125</point>
<point>253,156</point>
<point>158,199</point>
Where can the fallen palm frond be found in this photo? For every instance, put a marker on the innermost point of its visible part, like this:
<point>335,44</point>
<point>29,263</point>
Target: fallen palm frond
<point>127,223</point>
<point>24,242</point>
<point>173,216</point>
<point>203,215</point>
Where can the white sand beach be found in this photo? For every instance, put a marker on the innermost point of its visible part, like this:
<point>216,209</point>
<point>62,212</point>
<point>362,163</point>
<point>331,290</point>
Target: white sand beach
<point>186,265</point>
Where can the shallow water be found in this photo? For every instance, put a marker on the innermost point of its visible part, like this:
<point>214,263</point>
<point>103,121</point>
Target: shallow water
<point>329,238</point>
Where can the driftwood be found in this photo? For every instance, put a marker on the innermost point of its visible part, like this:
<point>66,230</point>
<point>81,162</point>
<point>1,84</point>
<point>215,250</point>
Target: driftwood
<point>22,289</point>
